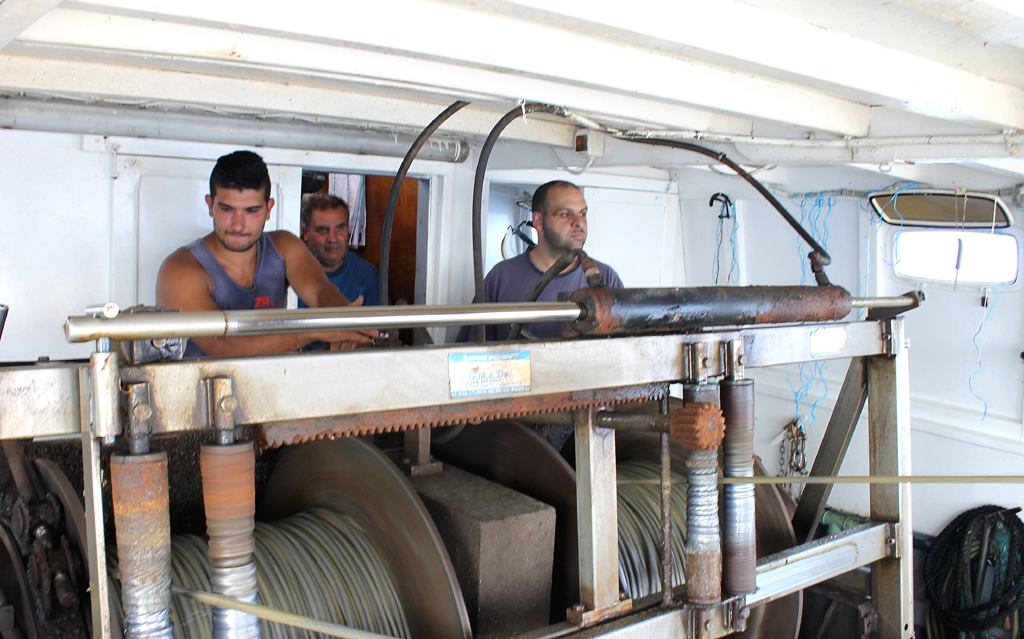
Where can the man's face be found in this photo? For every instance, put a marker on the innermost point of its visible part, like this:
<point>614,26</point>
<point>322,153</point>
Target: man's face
<point>327,237</point>
<point>239,217</point>
<point>563,227</point>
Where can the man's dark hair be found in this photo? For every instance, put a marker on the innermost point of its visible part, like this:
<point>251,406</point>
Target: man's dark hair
<point>540,196</point>
<point>241,170</point>
<point>319,202</point>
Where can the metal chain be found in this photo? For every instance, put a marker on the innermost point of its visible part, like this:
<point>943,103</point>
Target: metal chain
<point>793,452</point>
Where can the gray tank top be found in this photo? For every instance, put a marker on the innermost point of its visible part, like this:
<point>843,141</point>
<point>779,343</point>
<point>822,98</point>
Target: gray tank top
<point>270,285</point>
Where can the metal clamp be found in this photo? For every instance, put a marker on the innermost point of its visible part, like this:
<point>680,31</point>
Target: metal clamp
<point>139,414</point>
<point>696,362</point>
<point>221,407</point>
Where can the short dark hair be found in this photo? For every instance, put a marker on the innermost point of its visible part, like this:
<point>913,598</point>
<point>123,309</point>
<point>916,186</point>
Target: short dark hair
<point>241,171</point>
<point>319,202</point>
<point>540,196</point>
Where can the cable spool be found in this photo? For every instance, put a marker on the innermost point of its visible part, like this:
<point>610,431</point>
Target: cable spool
<point>640,528</point>
<point>509,453</point>
<point>356,549</point>
<point>320,564</point>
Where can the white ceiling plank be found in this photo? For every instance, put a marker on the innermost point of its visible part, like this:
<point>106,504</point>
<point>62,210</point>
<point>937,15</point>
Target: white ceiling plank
<point>18,15</point>
<point>459,57</point>
<point>999,20</point>
<point>87,79</point>
<point>901,27</point>
<point>788,48</point>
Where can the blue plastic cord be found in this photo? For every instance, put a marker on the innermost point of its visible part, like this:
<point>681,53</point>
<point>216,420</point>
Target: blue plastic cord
<point>815,209</point>
<point>977,349</point>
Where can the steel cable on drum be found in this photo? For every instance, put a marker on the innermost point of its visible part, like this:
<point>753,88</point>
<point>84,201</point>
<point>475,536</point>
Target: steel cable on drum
<point>319,564</point>
<point>639,515</point>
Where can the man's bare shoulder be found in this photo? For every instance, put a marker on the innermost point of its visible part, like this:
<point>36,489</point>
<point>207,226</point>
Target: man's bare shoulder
<point>181,277</point>
<point>181,262</point>
<point>286,242</point>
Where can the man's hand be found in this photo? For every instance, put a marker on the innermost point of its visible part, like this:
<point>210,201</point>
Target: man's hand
<point>348,340</point>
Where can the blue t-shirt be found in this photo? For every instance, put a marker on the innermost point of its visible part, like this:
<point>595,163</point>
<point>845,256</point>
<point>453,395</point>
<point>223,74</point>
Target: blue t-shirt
<point>513,279</point>
<point>355,277</point>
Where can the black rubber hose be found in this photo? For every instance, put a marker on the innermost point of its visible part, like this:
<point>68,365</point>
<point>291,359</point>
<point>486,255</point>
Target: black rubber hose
<point>478,195</point>
<point>560,265</point>
<point>396,187</point>
<point>947,571</point>
<point>721,157</point>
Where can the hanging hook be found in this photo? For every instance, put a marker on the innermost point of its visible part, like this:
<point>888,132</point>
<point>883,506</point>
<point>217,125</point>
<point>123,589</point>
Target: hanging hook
<point>726,203</point>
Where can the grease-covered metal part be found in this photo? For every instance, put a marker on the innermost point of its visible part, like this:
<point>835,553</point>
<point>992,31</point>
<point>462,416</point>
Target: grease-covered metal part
<point>703,542</point>
<point>739,541</point>
<point>614,311</point>
<point>139,489</point>
<point>229,496</point>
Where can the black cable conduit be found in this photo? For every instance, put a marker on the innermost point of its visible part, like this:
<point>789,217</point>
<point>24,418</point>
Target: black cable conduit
<point>396,187</point>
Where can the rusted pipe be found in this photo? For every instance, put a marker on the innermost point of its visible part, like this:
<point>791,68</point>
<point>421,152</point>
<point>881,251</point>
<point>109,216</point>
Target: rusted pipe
<point>610,311</point>
<point>229,495</point>
<point>739,550</point>
<point>143,525</point>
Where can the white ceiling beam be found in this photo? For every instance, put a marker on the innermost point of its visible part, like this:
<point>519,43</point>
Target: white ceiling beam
<point>141,85</point>
<point>1000,20</point>
<point>448,49</point>
<point>18,15</point>
<point>787,48</point>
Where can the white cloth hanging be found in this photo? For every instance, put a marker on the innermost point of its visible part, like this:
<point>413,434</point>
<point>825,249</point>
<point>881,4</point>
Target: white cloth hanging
<point>352,189</point>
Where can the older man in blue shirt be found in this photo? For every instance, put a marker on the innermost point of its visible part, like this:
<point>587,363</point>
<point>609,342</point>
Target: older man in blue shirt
<point>324,229</point>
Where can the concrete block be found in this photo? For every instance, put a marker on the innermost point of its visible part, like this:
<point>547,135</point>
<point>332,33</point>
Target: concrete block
<point>502,547</point>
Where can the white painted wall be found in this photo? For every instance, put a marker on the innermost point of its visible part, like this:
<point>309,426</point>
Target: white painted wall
<point>948,433</point>
<point>55,248</point>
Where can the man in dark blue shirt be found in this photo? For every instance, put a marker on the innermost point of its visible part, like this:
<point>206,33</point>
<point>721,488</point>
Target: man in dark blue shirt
<point>560,217</point>
<point>324,229</point>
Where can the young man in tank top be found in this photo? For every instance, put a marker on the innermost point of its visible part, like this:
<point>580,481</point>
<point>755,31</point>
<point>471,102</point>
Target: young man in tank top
<point>239,267</point>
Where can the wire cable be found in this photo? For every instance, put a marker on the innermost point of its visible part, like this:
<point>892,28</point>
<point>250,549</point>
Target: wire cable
<point>319,565</point>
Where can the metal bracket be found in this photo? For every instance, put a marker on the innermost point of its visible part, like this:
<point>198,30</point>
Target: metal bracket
<point>887,338</point>
<point>696,362</point>
<point>221,405</point>
<point>139,413</point>
<point>417,460</point>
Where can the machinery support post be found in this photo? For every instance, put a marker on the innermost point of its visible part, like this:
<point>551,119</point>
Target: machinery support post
<point>832,450</point>
<point>892,579</point>
<point>666,511</point>
<point>99,587</point>
<point>597,523</point>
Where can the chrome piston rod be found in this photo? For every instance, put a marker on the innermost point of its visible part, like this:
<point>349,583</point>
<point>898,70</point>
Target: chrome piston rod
<point>234,323</point>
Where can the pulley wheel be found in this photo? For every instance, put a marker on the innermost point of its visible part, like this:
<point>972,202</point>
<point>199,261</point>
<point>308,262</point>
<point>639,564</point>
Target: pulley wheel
<point>350,476</point>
